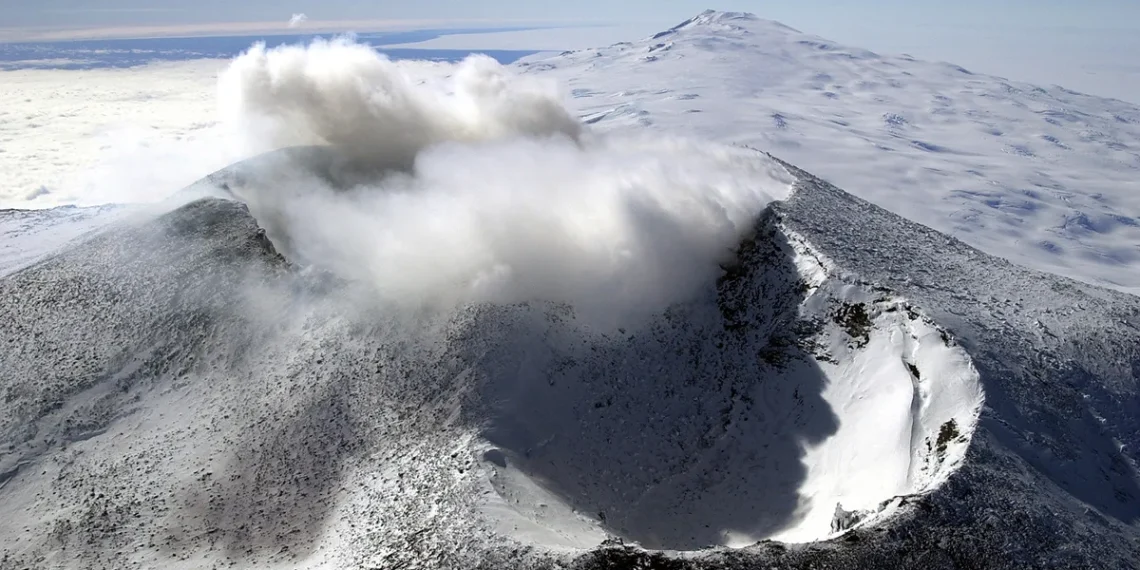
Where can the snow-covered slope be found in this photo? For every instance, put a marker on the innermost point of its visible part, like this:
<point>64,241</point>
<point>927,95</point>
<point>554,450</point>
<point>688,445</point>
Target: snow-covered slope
<point>755,416</point>
<point>1043,176</point>
<point>30,235</point>
<point>182,397</point>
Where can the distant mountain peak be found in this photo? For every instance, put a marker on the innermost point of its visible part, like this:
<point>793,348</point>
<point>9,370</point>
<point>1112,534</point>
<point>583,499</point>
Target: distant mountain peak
<point>718,20</point>
<point>719,16</point>
<point>711,17</point>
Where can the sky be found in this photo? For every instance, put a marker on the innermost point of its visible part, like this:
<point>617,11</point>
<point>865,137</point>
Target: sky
<point>871,14</point>
<point>1088,45</point>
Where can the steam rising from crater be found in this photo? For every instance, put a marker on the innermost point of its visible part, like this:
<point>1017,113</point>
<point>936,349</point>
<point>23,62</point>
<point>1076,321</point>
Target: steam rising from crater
<point>483,186</point>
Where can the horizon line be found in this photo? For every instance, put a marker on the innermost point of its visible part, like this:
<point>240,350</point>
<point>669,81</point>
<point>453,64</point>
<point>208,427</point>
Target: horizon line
<point>275,28</point>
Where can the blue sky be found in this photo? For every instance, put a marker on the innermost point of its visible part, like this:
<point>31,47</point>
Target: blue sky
<point>1082,13</point>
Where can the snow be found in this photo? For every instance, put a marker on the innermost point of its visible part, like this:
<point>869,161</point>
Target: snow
<point>1043,176</point>
<point>1056,359</point>
<point>892,398</point>
<point>520,419</point>
<point>520,507</point>
<point>886,443</point>
<point>27,236</point>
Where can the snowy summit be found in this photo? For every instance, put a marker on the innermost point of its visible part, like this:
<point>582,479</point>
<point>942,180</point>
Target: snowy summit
<point>1043,176</point>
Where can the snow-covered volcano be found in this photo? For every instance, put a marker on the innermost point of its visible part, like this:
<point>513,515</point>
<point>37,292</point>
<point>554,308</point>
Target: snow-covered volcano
<point>783,400</point>
<point>1040,175</point>
<point>327,364</point>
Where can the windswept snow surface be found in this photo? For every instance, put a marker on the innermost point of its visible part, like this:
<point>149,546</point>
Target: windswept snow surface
<point>27,236</point>
<point>1043,176</point>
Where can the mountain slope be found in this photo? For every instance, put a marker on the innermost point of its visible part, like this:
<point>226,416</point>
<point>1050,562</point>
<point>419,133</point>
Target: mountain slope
<point>30,235</point>
<point>1042,176</point>
<point>241,412</point>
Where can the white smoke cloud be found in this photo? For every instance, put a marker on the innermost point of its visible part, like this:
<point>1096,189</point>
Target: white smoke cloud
<point>297,19</point>
<point>490,190</point>
<point>349,96</point>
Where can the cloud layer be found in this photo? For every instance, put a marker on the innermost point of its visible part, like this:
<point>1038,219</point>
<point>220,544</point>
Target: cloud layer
<point>108,135</point>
